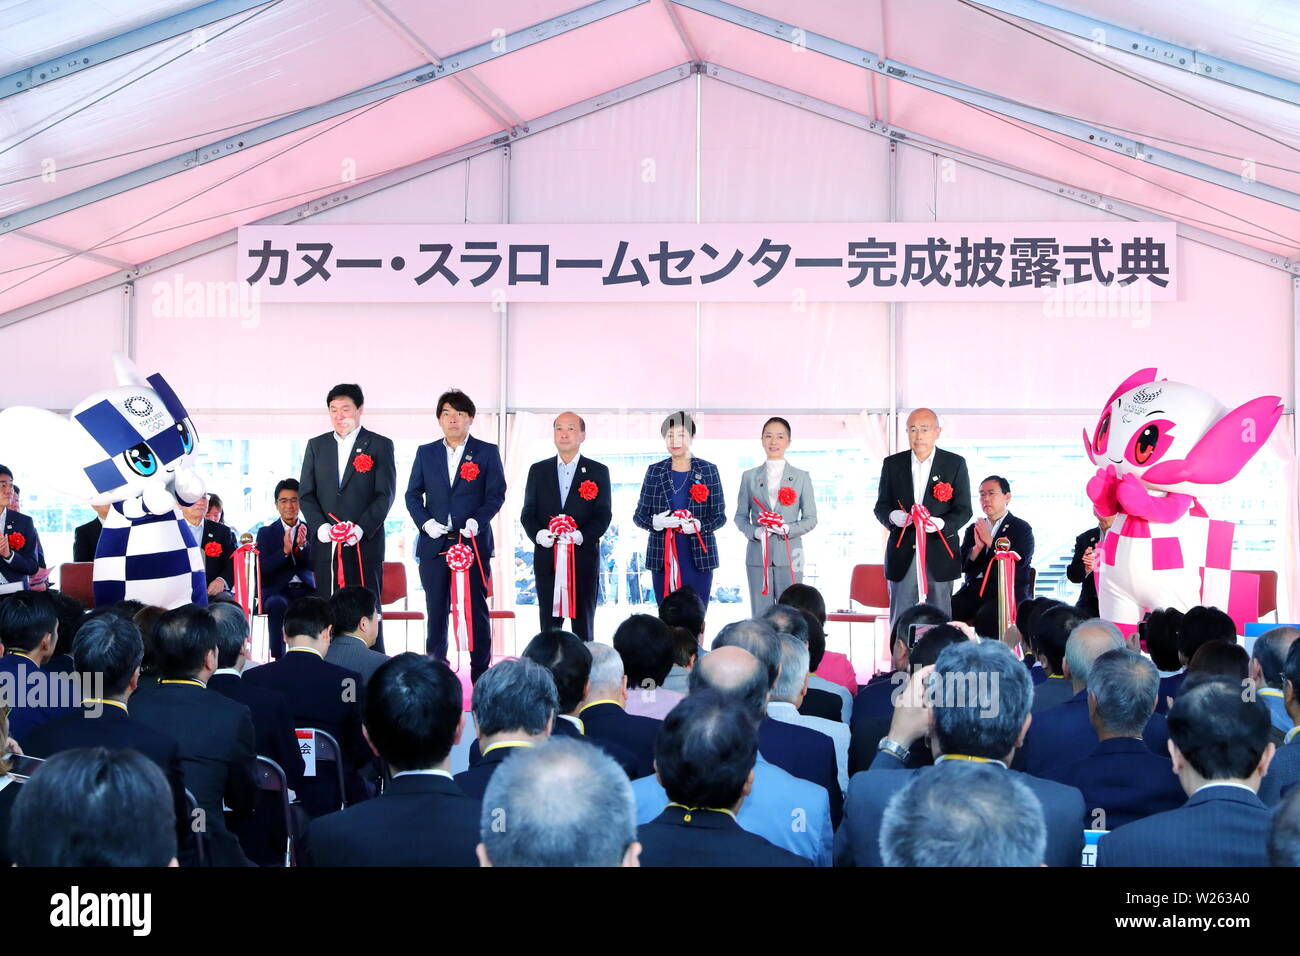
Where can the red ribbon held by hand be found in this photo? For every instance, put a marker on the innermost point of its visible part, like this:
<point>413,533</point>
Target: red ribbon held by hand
<point>340,531</point>
<point>672,570</point>
<point>773,521</point>
<point>564,598</point>
<point>920,517</point>
<point>460,558</point>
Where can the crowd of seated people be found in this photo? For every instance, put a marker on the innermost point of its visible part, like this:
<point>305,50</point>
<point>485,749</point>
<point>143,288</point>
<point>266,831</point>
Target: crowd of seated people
<point>663,743</point>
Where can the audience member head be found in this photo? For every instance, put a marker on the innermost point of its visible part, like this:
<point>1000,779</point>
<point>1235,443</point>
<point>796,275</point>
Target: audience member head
<point>982,694</point>
<point>734,672</point>
<point>646,647</point>
<point>607,680</point>
<point>683,608</point>
<point>1217,734</point>
<point>686,647</point>
<point>516,698</point>
<point>185,643</point>
<point>986,621</point>
<point>792,681</point>
<point>413,712</point>
<point>932,643</point>
<point>1291,681</point>
<point>146,619</point>
<point>354,612</point>
<point>566,656</point>
<point>1284,833</point>
<point>816,641</point>
<point>111,648</point>
<point>921,615</point>
<point>758,638</point>
<point>1200,625</point>
<point>29,625</point>
<point>1122,688</point>
<point>1266,658</point>
<point>1087,642</point>
<point>308,623</point>
<point>963,814</point>
<point>71,613</point>
<point>1160,631</point>
<point>94,807</point>
<point>806,598</point>
<point>705,751</point>
<point>787,620</point>
<point>1052,629</point>
<point>1221,659</point>
<point>216,508</point>
<point>565,803</point>
<point>232,633</point>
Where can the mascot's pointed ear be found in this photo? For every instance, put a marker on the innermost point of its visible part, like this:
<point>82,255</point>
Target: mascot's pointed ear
<point>1223,450</point>
<point>50,448</point>
<point>125,371</point>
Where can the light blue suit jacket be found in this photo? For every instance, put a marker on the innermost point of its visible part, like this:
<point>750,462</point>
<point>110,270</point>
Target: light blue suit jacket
<point>794,814</point>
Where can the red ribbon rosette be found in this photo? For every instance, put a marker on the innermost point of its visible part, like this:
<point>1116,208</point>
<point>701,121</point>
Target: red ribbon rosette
<point>564,602</point>
<point>212,549</point>
<point>469,471</point>
<point>17,540</point>
<point>699,493</point>
<point>459,560</point>
<point>363,463</point>
<point>943,491</point>
<point>588,490</point>
<point>340,531</point>
<point>786,496</point>
<point>772,520</point>
<point>672,570</point>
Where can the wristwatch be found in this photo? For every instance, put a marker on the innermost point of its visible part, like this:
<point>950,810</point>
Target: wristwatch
<point>894,749</point>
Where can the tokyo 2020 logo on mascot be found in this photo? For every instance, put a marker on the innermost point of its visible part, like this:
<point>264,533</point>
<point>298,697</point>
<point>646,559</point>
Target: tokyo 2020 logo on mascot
<point>1157,445</point>
<point>128,447</point>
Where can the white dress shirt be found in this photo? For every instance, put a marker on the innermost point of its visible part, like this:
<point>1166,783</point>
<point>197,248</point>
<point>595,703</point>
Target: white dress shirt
<point>454,455</point>
<point>565,473</point>
<point>775,471</point>
<point>293,528</point>
<point>345,444</point>
<point>920,476</point>
<point>426,773</point>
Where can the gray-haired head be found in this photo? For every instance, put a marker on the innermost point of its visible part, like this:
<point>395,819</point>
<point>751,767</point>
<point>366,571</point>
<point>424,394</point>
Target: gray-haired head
<point>606,671</point>
<point>981,696</point>
<point>1270,651</point>
<point>794,669</point>
<point>963,814</point>
<point>1088,642</point>
<point>232,631</point>
<point>1124,685</point>
<point>787,620</point>
<point>757,637</point>
<point>563,803</point>
<point>514,696</point>
<point>733,672</point>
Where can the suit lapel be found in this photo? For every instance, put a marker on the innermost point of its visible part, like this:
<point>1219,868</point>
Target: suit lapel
<point>357,448</point>
<point>666,481</point>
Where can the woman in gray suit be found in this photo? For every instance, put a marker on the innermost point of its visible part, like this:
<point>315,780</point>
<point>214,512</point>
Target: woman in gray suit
<point>787,491</point>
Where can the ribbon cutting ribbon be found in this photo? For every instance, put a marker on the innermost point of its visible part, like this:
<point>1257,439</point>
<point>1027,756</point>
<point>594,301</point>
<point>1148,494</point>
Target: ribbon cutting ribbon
<point>1005,559</point>
<point>920,517</point>
<point>244,555</point>
<point>672,569</point>
<point>459,558</point>
<point>340,531</point>
<point>772,521</point>
<point>564,602</point>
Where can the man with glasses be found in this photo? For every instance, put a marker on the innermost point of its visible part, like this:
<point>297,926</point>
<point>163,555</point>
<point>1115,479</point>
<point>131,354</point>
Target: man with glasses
<point>285,549</point>
<point>19,544</point>
<point>979,544</point>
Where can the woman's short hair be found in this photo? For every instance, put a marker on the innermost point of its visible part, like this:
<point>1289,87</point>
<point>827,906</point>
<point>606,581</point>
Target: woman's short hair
<point>678,420</point>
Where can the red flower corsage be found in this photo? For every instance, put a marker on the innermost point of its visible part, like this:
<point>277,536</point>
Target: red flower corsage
<point>587,491</point>
<point>469,471</point>
<point>943,491</point>
<point>212,549</point>
<point>699,492</point>
<point>786,496</point>
<point>363,463</point>
<point>17,540</point>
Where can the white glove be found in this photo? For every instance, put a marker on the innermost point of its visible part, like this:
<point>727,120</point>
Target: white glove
<point>783,530</point>
<point>759,533</point>
<point>690,525</point>
<point>937,522</point>
<point>323,533</point>
<point>470,529</point>
<point>188,486</point>
<point>434,528</point>
<point>354,536</point>
<point>899,519</point>
<point>666,520</point>
<point>575,537</point>
<point>157,499</point>
<point>545,538</point>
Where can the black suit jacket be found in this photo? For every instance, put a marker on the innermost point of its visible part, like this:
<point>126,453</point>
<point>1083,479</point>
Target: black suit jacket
<point>822,703</point>
<point>116,730</point>
<point>273,725</point>
<point>325,696</point>
<point>681,837</point>
<point>420,820</point>
<point>1060,736</point>
<point>474,781</point>
<point>896,490</point>
<point>279,568</point>
<point>1218,826</point>
<point>217,748</point>
<point>542,503</point>
<point>610,722</point>
<point>220,540</point>
<point>429,494</point>
<point>364,497</point>
<point>1021,537</point>
<point>85,539</point>
<point>1124,780</point>
<point>564,728</point>
<point>1077,573</point>
<point>25,561</point>
<point>803,752</point>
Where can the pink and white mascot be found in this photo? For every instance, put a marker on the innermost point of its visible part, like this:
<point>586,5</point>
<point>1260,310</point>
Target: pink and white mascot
<point>1156,445</point>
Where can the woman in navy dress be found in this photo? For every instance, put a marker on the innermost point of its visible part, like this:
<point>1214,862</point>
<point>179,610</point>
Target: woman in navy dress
<point>682,482</point>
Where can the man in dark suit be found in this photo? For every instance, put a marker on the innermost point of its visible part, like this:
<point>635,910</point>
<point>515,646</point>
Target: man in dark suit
<point>1219,744</point>
<point>604,713</point>
<point>1122,780</point>
<point>705,757</point>
<point>1052,627</point>
<point>29,632</point>
<point>19,544</point>
<point>108,651</point>
<point>457,487</point>
<point>216,737</point>
<point>514,709</point>
<point>217,544</point>
<point>349,475</point>
<point>322,696</point>
<point>800,751</point>
<point>413,718</point>
<point>1084,562</point>
<point>285,552</point>
<point>979,544</point>
<point>86,536</point>
<point>981,696</point>
<point>937,480</point>
<point>356,618</point>
<point>1064,734</point>
<point>573,485</point>
<point>1284,771</point>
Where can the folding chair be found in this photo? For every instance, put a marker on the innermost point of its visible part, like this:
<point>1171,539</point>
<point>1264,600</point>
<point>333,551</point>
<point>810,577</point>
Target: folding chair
<point>201,849</point>
<point>327,750</point>
<point>271,778</point>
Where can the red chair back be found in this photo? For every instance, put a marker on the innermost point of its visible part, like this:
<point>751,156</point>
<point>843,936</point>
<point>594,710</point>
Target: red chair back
<point>868,587</point>
<point>76,580</point>
<point>1267,591</point>
<point>394,589</point>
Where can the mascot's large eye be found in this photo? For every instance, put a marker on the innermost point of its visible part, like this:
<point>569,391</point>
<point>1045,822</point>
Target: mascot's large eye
<point>141,460</point>
<point>1103,433</point>
<point>187,437</point>
<point>1152,441</point>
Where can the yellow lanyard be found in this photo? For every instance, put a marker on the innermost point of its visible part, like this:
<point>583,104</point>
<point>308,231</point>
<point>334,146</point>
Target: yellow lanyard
<point>509,743</point>
<point>196,683</point>
<point>690,810</point>
<point>101,700</point>
<point>595,702</point>
<point>970,758</point>
<point>309,650</point>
